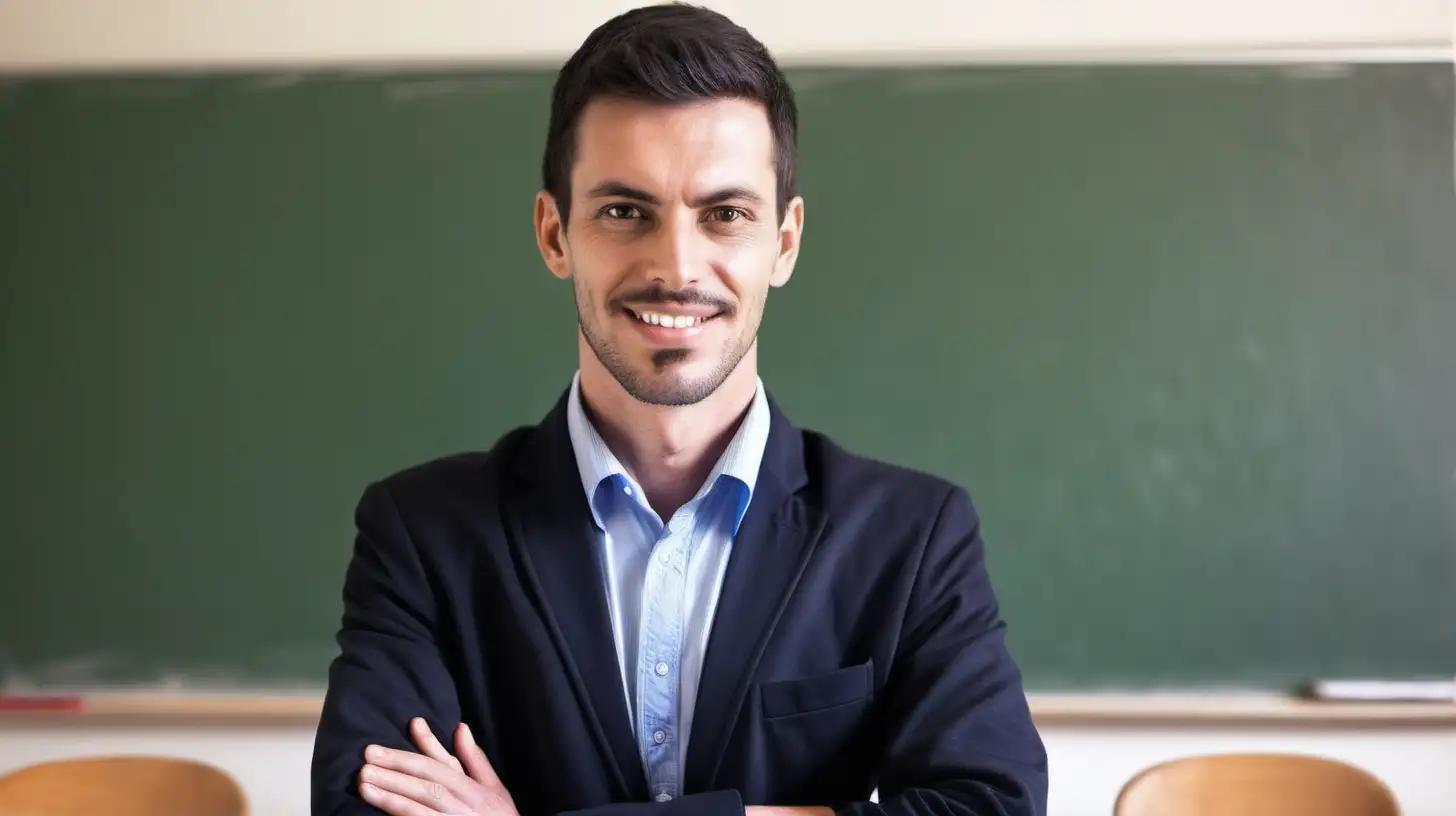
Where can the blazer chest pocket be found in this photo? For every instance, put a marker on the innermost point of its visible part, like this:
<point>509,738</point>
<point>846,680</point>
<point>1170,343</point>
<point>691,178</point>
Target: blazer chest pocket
<point>804,695</point>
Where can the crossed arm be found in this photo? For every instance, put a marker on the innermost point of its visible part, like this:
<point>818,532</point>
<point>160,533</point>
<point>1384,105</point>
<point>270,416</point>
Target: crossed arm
<point>958,739</point>
<point>435,782</point>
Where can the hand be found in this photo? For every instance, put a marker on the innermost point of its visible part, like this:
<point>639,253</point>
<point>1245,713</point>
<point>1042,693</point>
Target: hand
<point>434,783</point>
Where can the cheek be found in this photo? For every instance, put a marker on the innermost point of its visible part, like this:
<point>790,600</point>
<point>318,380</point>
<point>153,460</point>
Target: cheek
<point>591,274</point>
<point>750,271</point>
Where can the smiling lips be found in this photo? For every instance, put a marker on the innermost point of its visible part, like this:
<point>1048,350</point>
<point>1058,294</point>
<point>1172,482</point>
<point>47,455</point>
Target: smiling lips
<point>679,318</point>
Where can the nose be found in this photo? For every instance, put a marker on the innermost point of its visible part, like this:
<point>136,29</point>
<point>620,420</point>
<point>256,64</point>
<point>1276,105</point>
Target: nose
<point>681,254</point>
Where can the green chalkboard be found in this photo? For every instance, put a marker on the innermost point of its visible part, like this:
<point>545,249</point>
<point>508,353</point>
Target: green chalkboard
<point>1187,334</point>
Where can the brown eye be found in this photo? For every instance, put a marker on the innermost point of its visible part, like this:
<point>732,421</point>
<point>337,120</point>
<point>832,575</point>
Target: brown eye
<point>621,212</point>
<point>727,215</point>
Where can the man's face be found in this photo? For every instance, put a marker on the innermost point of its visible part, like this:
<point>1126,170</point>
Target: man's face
<point>673,241</point>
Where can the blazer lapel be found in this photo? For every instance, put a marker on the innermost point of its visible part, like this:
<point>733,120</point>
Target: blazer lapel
<point>770,553</point>
<point>552,534</point>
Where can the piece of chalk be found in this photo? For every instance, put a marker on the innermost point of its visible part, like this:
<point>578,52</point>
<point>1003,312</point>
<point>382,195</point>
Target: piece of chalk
<point>1443,691</point>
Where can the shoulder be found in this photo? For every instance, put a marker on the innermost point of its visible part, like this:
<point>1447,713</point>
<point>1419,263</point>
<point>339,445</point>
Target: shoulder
<point>893,493</point>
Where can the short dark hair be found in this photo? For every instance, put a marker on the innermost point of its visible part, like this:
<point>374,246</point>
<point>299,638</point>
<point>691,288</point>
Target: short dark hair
<point>673,54</point>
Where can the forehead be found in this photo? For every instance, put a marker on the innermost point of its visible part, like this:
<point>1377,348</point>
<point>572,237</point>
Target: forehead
<point>713,143</point>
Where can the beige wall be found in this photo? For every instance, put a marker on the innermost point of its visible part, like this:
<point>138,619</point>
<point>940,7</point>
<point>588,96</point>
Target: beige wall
<point>1088,765</point>
<point>46,35</point>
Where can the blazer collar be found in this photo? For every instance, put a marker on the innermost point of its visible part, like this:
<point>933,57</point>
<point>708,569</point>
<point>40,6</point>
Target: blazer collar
<point>552,535</point>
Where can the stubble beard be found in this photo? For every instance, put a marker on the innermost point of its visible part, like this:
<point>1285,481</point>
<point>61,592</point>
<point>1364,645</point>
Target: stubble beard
<point>660,387</point>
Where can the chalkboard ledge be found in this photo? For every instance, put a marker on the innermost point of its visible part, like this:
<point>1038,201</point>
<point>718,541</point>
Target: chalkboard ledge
<point>1218,710</point>
<point>1049,710</point>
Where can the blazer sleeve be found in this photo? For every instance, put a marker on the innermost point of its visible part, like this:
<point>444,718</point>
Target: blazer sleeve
<point>958,736</point>
<point>388,669</point>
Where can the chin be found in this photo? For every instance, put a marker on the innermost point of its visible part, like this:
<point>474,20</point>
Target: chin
<point>670,384</point>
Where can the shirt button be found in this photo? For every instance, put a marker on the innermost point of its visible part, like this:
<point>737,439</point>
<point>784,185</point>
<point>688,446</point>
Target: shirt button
<point>627,489</point>
<point>661,669</point>
<point>664,797</point>
<point>665,557</point>
<point>659,737</point>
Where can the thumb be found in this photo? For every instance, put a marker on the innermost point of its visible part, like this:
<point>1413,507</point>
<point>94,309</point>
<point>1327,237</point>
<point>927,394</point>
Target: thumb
<point>473,757</point>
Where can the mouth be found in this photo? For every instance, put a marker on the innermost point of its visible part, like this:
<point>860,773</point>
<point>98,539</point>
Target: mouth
<point>672,326</point>
<point>672,319</point>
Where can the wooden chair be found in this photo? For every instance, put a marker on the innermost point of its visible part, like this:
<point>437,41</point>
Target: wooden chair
<point>121,786</point>
<point>1255,785</point>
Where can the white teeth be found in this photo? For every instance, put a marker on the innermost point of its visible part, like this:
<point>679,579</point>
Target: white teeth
<point>669,321</point>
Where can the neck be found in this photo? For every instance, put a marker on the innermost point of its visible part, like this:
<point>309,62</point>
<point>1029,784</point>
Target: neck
<point>668,450</point>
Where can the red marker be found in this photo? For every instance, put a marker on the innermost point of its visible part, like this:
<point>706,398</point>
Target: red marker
<point>68,705</point>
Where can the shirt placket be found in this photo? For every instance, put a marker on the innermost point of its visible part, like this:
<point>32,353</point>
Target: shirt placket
<point>660,660</point>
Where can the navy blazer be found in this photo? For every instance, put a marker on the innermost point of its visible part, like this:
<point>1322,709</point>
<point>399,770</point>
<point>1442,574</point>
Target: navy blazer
<point>857,643</point>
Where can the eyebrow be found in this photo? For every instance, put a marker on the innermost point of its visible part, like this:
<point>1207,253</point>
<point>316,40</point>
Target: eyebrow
<point>728,194</point>
<point>617,189</point>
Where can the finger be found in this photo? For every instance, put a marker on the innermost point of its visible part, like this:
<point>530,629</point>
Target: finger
<point>394,804</point>
<point>431,794</point>
<point>413,764</point>
<point>473,756</point>
<point>426,741</point>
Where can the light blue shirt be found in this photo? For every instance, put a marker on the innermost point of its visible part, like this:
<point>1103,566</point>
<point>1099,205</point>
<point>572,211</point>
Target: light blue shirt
<point>663,580</point>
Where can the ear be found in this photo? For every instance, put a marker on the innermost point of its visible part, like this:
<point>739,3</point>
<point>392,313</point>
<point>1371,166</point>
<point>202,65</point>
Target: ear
<point>551,235</point>
<point>791,232</point>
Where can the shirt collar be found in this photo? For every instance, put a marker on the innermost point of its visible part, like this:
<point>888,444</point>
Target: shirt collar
<point>740,461</point>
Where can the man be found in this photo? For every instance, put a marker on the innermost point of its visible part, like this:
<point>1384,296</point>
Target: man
<point>665,599</point>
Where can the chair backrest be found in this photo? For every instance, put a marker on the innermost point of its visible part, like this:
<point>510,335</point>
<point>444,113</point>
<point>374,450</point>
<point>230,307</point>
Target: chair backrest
<point>1255,785</point>
<point>121,786</point>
